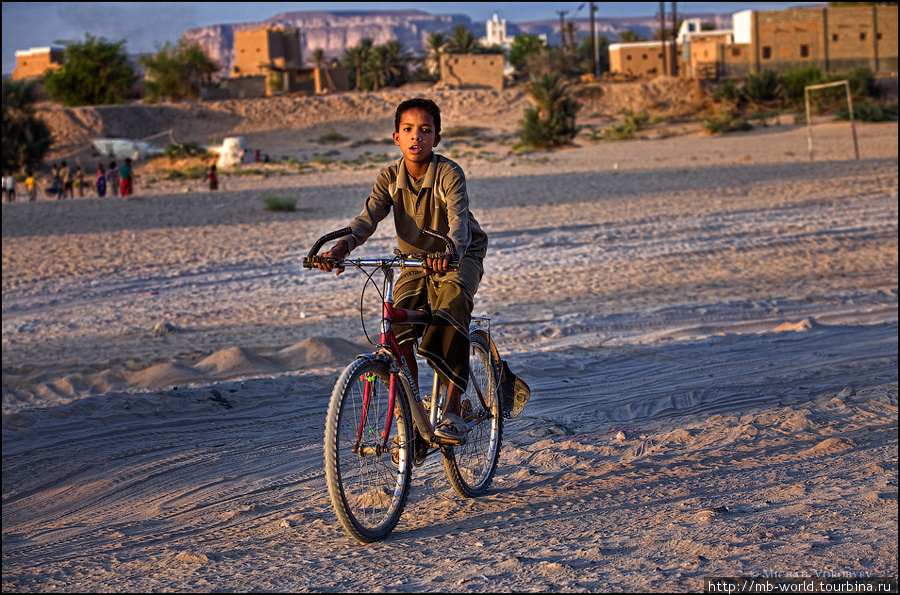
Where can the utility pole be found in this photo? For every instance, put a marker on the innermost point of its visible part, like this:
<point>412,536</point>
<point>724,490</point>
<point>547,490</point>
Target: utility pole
<point>562,40</point>
<point>562,29</point>
<point>675,58</point>
<point>662,34</point>
<point>594,43</point>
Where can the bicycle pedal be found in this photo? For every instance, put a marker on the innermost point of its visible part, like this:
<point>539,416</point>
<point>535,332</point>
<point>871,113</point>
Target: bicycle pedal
<point>449,441</point>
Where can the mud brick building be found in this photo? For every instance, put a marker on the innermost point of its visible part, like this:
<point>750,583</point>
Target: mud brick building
<point>835,39</point>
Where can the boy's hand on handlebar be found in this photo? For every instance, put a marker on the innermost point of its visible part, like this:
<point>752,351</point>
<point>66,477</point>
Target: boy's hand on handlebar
<point>340,251</point>
<point>439,265</point>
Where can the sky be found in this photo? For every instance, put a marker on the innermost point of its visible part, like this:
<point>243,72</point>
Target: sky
<point>147,26</point>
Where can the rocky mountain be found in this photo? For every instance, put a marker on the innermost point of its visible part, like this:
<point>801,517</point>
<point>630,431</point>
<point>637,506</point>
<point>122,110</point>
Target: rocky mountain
<point>335,31</point>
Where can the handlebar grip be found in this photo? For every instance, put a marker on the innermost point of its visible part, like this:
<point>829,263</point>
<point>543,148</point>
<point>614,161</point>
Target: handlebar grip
<point>454,264</point>
<point>311,261</point>
<point>451,249</point>
<point>327,238</point>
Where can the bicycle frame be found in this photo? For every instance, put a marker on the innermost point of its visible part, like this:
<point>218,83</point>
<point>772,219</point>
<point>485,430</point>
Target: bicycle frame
<point>389,349</point>
<point>372,440</point>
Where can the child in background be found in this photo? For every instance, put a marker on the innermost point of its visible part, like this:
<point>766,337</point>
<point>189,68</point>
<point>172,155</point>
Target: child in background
<point>31,185</point>
<point>112,179</point>
<point>213,179</point>
<point>126,178</point>
<point>100,182</point>
<point>80,180</point>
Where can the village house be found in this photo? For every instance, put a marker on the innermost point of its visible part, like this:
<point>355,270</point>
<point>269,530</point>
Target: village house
<point>268,61</point>
<point>836,39</point>
<point>34,62</point>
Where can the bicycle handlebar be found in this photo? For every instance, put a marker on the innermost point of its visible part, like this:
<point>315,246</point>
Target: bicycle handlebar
<point>326,238</point>
<point>400,259</point>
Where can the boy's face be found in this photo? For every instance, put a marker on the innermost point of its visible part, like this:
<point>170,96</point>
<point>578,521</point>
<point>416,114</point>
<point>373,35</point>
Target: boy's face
<point>417,137</point>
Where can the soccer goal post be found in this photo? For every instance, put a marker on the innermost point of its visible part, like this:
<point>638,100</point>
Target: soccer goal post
<point>809,139</point>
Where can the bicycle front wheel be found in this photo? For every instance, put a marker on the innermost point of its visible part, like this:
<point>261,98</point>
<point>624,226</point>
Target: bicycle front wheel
<point>471,467</point>
<point>368,479</point>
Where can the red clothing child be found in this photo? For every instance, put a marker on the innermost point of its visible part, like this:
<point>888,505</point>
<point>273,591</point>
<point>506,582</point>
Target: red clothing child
<point>213,179</point>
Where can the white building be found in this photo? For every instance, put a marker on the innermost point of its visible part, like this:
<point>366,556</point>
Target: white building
<point>496,34</point>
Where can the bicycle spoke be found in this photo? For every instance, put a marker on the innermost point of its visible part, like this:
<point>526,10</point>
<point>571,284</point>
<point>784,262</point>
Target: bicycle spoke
<point>471,466</point>
<point>368,483</point>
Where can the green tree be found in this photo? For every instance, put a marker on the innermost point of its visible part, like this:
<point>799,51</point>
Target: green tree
<point>96,72</point>
<point>388,65</point>
<point>434,49</point>
<point>26,138</point>
<point>321,62</point>
<point>522,47</point>
<point>551,122</point>
<point>463,41</point>
<point>318,59</point>
<point>356,58</point>
<point>197,67</point>
<point>571,28</point>
<point>177,73</point>
<point>628,36</point>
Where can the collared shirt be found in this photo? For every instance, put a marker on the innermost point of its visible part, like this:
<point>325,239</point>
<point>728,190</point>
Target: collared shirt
<point>442,204</point>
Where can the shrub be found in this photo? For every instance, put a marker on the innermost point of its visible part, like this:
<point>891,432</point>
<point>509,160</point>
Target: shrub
<point>279,203</point>
<point>551,122</point>
<point>460,131</point>
<point>862,83</point>
<point>185,150</point>
<point>26,137</point>
<point>866,112</point>
<point>631,124</point>
<point>794,83</point>
<point>725,122</point>
<point>332,137</point>
<point>191,172</point>
<point>728,92</point>
<point>762,87</point>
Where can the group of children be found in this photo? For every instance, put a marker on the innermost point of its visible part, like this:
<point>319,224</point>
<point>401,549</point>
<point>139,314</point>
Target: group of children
<point>117,180</point>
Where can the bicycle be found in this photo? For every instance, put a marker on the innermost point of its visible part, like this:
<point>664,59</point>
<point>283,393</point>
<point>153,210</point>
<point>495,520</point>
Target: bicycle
<point>377,427</point>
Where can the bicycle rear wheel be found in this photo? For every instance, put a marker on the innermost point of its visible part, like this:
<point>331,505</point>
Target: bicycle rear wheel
<point>368,484</point>
<point>471,466</point>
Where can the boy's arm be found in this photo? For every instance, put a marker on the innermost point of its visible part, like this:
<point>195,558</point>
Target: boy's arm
<point>377,207</point>
<point>456,199</point>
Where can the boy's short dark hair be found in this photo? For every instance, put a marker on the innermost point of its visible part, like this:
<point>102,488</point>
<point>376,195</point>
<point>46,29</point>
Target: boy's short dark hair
<point>428,105</point>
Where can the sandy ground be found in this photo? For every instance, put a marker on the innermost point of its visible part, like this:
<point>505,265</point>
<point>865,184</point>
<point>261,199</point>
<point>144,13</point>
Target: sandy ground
<point>708,325</point>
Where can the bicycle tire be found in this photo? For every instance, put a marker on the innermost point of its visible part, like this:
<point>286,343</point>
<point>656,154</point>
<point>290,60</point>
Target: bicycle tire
<point>368,490</point>
<point>470,467</point>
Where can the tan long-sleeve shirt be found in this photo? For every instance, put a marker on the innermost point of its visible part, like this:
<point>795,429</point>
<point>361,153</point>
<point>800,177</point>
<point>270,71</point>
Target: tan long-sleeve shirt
<point>442,204</point>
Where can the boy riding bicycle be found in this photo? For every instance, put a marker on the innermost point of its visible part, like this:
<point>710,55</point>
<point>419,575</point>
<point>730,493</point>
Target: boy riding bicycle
<point>427,190</point>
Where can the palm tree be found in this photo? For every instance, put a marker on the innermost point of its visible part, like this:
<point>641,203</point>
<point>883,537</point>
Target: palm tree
<point>387,64</point>
<point>321,65</point>
<point>570,29</point>
<point>434,49</point>
<point>628,36</point>
<point>463,41</point>
<point>551,122</point>
<point>357,57</point>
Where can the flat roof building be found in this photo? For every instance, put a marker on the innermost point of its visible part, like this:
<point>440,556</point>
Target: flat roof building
<point>34,62</point>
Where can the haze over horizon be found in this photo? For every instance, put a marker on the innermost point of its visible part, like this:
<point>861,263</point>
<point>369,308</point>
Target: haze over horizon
<point>149,25</point>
